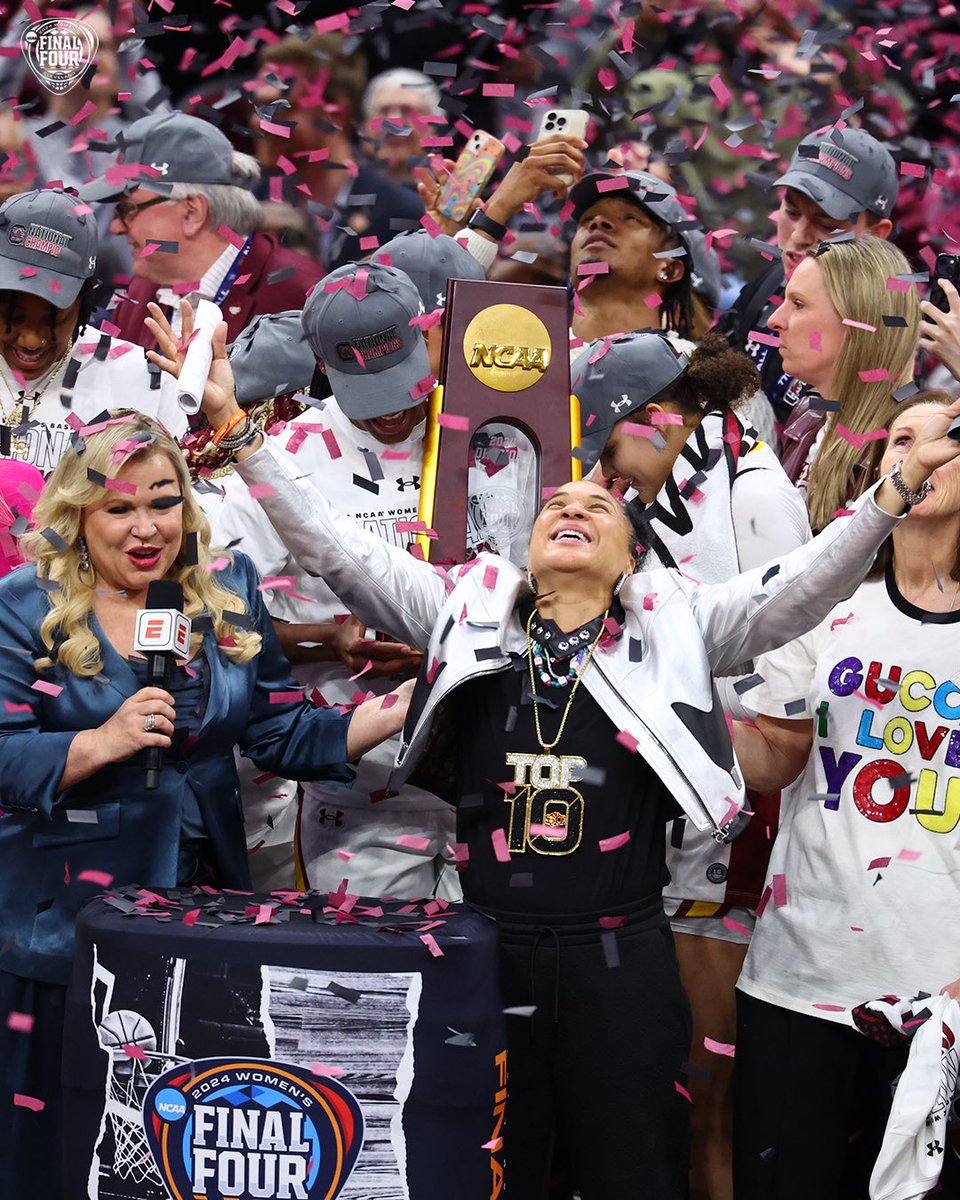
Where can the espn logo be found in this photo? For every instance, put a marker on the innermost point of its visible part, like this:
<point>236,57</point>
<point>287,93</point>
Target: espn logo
<point>161,630</point>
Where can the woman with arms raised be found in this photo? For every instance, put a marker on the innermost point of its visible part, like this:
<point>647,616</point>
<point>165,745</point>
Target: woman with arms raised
<point>572,711</point>
<point>117,515</point>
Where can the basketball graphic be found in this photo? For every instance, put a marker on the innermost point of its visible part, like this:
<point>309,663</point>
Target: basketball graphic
<point>124,1027</point>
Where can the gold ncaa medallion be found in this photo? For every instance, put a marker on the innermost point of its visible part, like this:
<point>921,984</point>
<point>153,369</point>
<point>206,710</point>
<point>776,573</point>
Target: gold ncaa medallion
<point>507,348</point>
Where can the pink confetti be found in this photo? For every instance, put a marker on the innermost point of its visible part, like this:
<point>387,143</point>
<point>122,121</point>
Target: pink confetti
<point>505,90</point>
<point>190,918</point>
<point>120,485</point>
<point>840,621</point>
<point>654,300</point>
<point>720,90</point>
<point>490,574</point>
<point>635,429</point>
<point>765,339</point>
<point>857,439</point>
<point>329,24</point>
<point>218,564</point>
<point>20,1022</point>
<point>723,1048</point>
<point>915,170</point>
<point>909,855</point>
<point>412,842</point>
<point>49,689</point>
<point>877,863</point>
<point>649,600</point>
<point>10,707</point>
<point>100,878</point>
<point>30,1102</point>
<point>615,842</point>
<point>613,922</point>
<point>331,443</point>
<point>683,1091</point>
<point>287,697</point>
<point>830,1007</point>
<point>324,1069</point>
<point>264,913</point>
<point>628,740</point>
<point>137,1052</point>
<point>259,491</point>
<point>859,325</point>
<point>449,421</point>
<point>736,926</point>
<point>500,851</point>
<point>816,342</point>
<point>894,284</point>
<point>779,890</point>
<point>431,944</point>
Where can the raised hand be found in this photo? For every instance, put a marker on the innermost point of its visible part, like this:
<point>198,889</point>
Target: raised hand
<point>219,394</point>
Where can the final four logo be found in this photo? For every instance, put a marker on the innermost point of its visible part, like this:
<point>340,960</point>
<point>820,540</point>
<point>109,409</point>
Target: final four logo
<point>58,50</point>
<point>224,1127</point>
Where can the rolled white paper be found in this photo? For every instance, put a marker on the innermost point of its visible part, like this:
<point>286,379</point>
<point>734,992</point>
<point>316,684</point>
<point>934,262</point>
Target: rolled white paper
<point>196,366</point>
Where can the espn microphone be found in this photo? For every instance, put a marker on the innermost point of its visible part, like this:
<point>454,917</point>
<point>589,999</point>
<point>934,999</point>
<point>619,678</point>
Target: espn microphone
<point>163,635</point>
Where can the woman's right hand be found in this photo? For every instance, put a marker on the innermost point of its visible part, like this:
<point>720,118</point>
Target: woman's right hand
<point>126,733</point>
<point>539,172</point>
<point>219,394</point>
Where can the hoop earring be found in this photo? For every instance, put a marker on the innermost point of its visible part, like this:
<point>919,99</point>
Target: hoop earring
<point>619,585</point>
<point>532,581</point>
<point>84,554</point>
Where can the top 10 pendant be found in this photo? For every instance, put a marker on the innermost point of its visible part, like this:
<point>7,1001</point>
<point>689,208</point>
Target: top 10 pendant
<point>58,51</point>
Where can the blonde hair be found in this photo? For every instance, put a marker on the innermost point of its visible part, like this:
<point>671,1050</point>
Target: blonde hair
<point>54,544</point>
<point>855,275</point>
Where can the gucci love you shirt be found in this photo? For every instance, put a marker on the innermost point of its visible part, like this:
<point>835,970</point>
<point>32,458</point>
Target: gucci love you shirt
<point>864,878</point>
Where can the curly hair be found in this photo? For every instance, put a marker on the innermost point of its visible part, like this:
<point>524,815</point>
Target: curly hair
<point>717,379</point>
<point>54,544</point>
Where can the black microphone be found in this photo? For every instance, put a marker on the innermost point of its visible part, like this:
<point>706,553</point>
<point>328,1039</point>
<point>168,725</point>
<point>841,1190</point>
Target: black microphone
<point>163,635</point>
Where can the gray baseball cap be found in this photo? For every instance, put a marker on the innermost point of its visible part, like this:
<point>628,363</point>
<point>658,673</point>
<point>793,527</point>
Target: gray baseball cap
<point>271,356</point>
<point>658,198</point>
<point>375,359</point>
<point>634,370</point>
<point>431,262</point>
<point>169,148</point>
<point>47,248</point>
<point>845,174</point>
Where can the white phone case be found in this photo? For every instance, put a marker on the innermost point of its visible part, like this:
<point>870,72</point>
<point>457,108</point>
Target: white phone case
<point>570,121</point>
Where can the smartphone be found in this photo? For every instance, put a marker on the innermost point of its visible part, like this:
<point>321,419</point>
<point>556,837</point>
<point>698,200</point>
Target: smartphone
<point>470,175</point>
<point>571,121</point>
<point>948,267</point>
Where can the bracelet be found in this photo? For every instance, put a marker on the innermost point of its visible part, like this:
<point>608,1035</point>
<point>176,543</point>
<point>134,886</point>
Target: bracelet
<point>230,423</point>
<point>909,498</point>
<point>480,220</point>
<point>243,438</point>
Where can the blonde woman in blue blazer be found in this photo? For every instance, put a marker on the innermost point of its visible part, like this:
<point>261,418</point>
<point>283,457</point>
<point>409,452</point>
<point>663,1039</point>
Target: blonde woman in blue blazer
<point>76,719</point>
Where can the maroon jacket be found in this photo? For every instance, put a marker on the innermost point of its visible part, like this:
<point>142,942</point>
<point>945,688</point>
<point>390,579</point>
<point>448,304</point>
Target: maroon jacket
<point>250,298</point>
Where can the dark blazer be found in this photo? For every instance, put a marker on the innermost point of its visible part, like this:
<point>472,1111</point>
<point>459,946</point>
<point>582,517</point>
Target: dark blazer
<point>252,294</point>
<point>109,823</point>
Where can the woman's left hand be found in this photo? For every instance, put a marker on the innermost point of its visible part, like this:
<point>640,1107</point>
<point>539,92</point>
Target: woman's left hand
<point>219,393</point>
<point>378,719</point>
<point>952,990</point>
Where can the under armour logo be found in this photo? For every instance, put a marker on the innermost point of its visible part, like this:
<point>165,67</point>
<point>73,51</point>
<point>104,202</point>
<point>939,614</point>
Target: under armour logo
<point>91,262</point>
<point>323,817</point>
<point>412,482</point>
<point>616,405</point>
<point>881,202</point>
<point>163,167</point>
<point>441,300</point>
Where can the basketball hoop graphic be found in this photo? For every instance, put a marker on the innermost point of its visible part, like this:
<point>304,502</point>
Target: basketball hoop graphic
<point>58,51</point>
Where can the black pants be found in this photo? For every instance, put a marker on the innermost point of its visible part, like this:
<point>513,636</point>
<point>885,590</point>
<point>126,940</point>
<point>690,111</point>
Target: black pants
<point>811,1101</point>
<point>596,1068</point>
<point>30,1061</point>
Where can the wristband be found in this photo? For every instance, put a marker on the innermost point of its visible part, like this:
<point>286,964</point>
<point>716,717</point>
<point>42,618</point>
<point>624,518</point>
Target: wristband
<point>230,423</point>
<point>480,220</point>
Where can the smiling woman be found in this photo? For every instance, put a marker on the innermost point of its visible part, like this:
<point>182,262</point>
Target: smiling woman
<point>117,515</point>
<point>567,716</point>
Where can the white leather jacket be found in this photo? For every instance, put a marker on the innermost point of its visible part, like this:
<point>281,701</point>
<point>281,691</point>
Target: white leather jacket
<point>655,682</point>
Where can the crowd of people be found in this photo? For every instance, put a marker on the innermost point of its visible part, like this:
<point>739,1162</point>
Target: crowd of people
<point>690,736</point>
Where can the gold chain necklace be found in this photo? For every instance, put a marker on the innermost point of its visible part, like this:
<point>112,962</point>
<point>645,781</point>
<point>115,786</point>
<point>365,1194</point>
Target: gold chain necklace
<point>21,400</point>
<point>545,746</point>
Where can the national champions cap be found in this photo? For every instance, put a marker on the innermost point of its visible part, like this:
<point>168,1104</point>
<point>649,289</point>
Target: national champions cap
<point>160,151</point>
<point>634,370</point>
<point>47,247</point>
<point>845,174</point>
<point>658,198</point>
<point>431,262</point>
<point>357,319</point>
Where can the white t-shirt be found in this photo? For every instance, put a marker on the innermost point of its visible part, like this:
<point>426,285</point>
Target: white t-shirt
<point>119,380</point>
<point>864,876</point>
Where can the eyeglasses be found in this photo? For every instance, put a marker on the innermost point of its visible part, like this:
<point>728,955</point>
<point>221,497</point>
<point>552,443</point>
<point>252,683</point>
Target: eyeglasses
<point>126,212</point>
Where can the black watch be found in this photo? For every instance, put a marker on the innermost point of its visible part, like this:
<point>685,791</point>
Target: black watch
<point>480,220</point>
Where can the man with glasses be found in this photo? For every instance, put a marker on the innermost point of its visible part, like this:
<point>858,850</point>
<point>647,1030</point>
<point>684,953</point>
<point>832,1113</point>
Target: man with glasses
<point>183,201</point>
